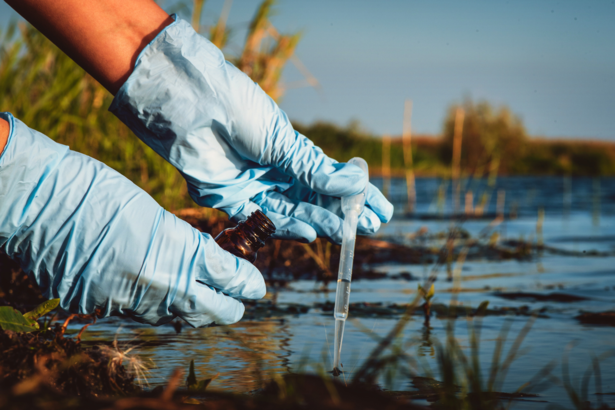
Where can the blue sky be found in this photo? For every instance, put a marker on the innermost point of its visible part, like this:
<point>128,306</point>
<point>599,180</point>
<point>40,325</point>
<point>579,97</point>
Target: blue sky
<point>551,62</point>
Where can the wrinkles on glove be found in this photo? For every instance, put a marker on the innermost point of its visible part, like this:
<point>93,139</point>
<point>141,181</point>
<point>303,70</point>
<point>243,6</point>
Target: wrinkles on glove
<point>232,143</point>
<point>302,215</point>
<point>95,240</point>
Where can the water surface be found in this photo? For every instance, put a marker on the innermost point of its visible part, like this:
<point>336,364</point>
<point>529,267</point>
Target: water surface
<point>579,217</point>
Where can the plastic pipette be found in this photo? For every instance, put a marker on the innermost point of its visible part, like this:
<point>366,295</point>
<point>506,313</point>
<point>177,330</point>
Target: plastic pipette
<point>352,206</point>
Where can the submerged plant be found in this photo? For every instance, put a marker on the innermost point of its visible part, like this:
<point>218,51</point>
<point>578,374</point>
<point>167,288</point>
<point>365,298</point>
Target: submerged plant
<point>579,396</point>
<point>463,385</point>
<point>197,385</point>
<point>427,296</point>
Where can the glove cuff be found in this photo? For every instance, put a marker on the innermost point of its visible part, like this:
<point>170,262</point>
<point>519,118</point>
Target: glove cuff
<point>178,101</point>
<point>27,162</point>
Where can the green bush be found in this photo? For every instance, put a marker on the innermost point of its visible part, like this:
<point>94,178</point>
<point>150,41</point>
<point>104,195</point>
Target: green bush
<point>490,136</point>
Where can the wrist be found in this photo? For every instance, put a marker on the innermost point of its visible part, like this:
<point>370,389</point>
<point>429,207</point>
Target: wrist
<point>4,134</point>
<point>103,37</point>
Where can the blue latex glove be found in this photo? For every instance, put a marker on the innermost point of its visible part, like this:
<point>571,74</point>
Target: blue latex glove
<point>233,144</point>
<point>92,238</point>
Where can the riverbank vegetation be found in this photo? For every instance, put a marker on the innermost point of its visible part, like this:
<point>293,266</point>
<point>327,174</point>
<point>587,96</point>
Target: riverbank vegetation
<point>494,140</point>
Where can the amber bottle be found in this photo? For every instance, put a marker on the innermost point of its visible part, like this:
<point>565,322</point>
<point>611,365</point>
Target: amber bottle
<point>245,239</point>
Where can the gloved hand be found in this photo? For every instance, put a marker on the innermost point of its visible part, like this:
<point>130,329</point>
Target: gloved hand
<point>233,144</point>
<point>94,239</point>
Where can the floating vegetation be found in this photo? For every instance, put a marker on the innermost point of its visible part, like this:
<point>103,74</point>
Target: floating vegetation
<point>541,297</point>
<point>597,318</point>
<point>258,309</point>
<point>428,388</point>
<point>442,311</point>
<point>427,296</point>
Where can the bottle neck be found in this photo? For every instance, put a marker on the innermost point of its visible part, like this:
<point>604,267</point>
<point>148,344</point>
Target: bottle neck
<point>257,228</point>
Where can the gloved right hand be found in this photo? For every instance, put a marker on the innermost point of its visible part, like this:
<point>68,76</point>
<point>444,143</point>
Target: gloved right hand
<point>95,240</point>
<point>236,148</point>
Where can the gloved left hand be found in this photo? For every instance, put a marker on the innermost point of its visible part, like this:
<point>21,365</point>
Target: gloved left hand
<point>233,144</point>
<point>98,242</point>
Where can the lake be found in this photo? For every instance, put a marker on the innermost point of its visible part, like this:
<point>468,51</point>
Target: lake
<point>578,230</point>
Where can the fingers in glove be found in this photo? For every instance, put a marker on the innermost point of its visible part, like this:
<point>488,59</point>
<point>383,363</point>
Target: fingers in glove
<point>297,157</point>
<point>325,223</point>
<point>232,275</point>
<point>377,202</point>
<point>285,227</point>
<point>377,208</point>
<point>211,264</point>
<point>207,305</point>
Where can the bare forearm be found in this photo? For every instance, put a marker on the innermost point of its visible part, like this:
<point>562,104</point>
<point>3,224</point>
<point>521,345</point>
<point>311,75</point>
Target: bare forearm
<point>104,37</point>
<point>4,134</point>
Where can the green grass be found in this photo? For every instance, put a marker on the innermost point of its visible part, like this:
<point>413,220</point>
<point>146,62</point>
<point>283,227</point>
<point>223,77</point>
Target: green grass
<point>50,93</point>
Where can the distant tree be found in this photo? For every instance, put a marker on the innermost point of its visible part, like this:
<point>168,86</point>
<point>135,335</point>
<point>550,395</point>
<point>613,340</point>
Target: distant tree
<point>492,137</point>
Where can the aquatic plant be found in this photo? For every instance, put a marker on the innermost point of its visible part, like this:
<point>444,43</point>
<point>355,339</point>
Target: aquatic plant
<point>579,394</point>
<point>427,296</point>
<point>12,319</point>
<point>197,385</point>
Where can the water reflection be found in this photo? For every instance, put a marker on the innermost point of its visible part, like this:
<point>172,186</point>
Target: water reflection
<point>249,352</point>
<point>426,347</point>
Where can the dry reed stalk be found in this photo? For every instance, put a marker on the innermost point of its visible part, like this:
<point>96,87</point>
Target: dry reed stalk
<point>407,147</point>
<point>501,203</point>
<point>272,72</point>
<point>197,9</point>
<point>539,222</point>
<point>494,167</point>
<point>262,59</point>
<point>596,202</point>
<point>319,258</point>
<point>459,116</point>
<point>469,209</point>
<point>218,33</point>
<point>386,164</point>
<point>256,34</point>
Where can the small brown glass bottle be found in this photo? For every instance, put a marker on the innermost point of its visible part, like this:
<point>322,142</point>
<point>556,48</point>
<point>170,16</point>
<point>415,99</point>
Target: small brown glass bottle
<point>245,239</point>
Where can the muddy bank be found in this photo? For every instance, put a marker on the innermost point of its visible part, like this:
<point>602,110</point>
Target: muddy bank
<point>16,289</point>
<point>31,360</point>
<point>289,392</point>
